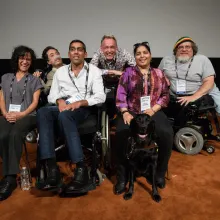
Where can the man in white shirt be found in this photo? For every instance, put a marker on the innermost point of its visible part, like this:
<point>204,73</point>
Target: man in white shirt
<point>74,89</point>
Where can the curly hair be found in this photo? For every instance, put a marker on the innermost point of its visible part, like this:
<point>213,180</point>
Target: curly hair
<point>21,51</point>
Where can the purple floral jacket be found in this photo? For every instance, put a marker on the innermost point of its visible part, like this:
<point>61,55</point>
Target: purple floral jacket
<point>130,89</point>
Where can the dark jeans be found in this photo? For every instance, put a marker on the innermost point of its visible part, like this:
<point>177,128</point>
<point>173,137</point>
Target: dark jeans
<point>11,141</point>
<point>164,133</point>
<point>51,121</point>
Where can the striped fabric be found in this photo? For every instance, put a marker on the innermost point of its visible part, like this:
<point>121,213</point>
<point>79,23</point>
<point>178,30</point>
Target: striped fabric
<point>181,40</point>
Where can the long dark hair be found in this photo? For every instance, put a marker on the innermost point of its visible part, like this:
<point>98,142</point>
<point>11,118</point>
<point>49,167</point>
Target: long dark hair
<point>21,51</point>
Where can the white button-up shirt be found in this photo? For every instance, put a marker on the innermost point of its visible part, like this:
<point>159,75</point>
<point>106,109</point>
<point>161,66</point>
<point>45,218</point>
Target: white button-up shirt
<point>62,86</point>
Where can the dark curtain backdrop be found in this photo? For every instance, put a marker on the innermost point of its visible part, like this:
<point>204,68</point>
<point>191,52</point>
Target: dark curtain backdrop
<point>40,64</point>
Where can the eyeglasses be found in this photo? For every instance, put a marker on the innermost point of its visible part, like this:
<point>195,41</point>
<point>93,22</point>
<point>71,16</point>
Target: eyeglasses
<point>187,47</point>
<point>143,43</point>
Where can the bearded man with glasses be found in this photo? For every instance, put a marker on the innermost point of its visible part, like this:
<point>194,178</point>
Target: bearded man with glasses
<point>191,75</point>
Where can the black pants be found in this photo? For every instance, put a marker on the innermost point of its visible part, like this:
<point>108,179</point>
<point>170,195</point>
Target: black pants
<point>11,142</point>
<point>180,112</point>
<point>164,133</point>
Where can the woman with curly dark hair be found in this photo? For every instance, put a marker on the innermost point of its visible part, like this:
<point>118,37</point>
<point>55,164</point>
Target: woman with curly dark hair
<point>18,102</point>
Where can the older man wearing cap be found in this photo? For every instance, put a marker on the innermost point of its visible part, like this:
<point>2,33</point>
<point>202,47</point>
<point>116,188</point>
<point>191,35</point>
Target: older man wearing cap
<point>191,75</point>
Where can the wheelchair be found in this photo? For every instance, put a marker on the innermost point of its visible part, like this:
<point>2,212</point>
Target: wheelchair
<point>94,134</point>
<point>192,127</point>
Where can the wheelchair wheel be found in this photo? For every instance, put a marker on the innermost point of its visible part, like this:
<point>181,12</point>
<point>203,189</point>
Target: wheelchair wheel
<point>31,137</point>
<point>217,137</point>
<point>106,152</point>
<point>209,149</point>
<point>189,141</point>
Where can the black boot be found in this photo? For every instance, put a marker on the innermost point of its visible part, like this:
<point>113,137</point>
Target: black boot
<point>49,176</point>
<point>7,187</point>
<point>80,183</point>
<point>122,179</point>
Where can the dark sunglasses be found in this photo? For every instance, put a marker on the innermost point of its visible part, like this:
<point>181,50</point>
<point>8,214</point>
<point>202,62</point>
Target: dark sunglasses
<point>143,43</point>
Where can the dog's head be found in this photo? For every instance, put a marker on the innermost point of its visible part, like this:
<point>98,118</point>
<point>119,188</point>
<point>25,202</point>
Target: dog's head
<point>141,127</point>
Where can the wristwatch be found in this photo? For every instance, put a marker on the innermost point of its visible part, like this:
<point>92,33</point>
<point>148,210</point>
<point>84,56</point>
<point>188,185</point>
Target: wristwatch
<point>122,113</point>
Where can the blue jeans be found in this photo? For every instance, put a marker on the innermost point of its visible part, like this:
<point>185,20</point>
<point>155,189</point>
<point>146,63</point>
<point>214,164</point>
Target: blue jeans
<point>49,120</point>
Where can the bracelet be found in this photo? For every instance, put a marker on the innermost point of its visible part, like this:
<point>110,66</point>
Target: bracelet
<point>122,113</point>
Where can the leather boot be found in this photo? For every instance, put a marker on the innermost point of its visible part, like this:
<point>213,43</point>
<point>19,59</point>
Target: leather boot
<point>122,179</point>
<point>80,183</point>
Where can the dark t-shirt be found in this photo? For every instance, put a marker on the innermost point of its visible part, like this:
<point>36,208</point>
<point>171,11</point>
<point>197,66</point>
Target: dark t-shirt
<point>33,84</point>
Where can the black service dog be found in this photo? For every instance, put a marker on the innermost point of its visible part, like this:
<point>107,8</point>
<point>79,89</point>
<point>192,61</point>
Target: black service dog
<point>142,159</point>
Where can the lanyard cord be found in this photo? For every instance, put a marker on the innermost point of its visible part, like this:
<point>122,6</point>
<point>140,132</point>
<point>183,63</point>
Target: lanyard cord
<point>187,69</point>
<point>86,82</point>
<point>24,91</point>
<point>148,82</point>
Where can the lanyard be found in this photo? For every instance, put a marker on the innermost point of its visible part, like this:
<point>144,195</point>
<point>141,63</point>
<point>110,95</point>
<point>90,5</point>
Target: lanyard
<point>86,82</point>
<point>187,69</point>
<point>24,91</point>
<point>148,82</point>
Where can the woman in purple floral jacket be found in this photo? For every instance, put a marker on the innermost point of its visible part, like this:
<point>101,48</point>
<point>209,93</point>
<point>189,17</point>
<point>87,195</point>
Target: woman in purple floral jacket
<point>142,89</point>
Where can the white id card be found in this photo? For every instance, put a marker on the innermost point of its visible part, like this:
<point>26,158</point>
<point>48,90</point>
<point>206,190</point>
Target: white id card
<point>74,98</point>
<point>145,103</point>
<point>180,86</point>
<point>14,108</point>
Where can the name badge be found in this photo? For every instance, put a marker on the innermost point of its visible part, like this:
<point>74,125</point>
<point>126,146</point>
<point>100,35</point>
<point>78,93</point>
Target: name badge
<point>74,98</point>
<point>145,103</point>
<point>14,108</point>
<point>181,86</point>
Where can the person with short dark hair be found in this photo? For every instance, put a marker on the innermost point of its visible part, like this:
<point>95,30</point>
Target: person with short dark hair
<point>75,89</point>
<point>52,56</point>
<point>111,59</point>
<point>142,89</point>
<point>19,100</point>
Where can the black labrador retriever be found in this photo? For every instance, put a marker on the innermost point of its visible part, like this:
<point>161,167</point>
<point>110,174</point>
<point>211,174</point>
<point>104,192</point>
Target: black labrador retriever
<point>142,159</point>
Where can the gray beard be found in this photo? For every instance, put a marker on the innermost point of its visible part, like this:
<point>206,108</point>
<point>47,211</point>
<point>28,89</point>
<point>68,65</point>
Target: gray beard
<point>183,59</point>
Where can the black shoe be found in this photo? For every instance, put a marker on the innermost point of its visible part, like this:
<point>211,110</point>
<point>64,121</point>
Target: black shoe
<point>53,180</point>
<point>119,187</point>
<point>121,177</point>
<point>6,189</point>
<point>2,182</point>
<point>80,183</point>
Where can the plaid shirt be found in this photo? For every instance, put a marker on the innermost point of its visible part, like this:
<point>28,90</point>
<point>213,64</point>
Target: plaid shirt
<point>122,60</point>
<point>130,89</point>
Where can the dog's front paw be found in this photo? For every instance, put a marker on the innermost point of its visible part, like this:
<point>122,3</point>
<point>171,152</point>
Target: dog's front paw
<point>127,196</point>
<point>156,197</point>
